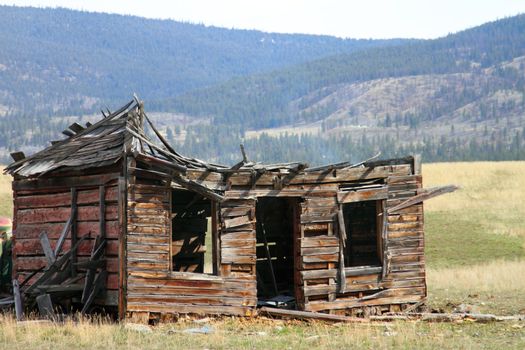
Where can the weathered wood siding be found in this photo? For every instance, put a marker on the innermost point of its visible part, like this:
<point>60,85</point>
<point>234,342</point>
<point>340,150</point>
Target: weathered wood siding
<point>403,279</point>
<point>153,287</point>
<point>45,206</point>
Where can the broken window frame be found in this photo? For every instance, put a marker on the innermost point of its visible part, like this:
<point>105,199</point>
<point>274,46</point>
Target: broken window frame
<point>214,215</point>
<point>379,194</point>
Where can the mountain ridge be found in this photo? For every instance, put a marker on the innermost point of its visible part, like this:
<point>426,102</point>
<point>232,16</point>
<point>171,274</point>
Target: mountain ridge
<point>105,57</point>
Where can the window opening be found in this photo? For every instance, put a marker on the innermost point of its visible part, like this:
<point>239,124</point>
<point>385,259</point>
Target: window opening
<point>363,224</point>
<point>192,232</point>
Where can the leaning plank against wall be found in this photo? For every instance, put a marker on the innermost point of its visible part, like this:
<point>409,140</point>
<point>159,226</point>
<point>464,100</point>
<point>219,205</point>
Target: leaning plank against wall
<point>44,205</point>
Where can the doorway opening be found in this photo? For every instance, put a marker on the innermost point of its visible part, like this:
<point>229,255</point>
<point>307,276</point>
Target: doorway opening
<point>276,228</point>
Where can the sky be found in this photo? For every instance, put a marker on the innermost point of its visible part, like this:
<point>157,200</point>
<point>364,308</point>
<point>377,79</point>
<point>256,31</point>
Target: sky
<point>424,19</point>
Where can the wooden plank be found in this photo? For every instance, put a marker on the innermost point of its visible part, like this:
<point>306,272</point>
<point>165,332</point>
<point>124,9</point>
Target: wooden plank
<point>362,270</point>
<point>425,194</point>
<point>54,230</point>
<point>32,247</point>
<point>74,231</point>
<point>45,306</point>
<point>98,285</point>
<point>318,274</point>
<point>356,302</point>
<point>50,215</point>
<point>191,309</point>
<point>235,243</point>
<point>123,232</point>
<point>236,259</point>
<point>219,301</point>
<point>407,179</point>
<point>238,221</point>
<point>319,250</point>
<point>63,235</point>
<point>102,211</point>
<point>319,290</point>
<point>75,127</point>
<point>19,308</point>
<point>311,219</point>
<point>90,274</point>
<point>237,211</point>
<point>320,258</point>
<point>362,195</point>
<point>18,156</point>
<point>46,247</point>
<point>237,194</point>
<point>341,175</point>
<point>305,315</point>
<point>64,182</point>
<point>63,199</point>
<point>319,241</point>
<point>417,164</point>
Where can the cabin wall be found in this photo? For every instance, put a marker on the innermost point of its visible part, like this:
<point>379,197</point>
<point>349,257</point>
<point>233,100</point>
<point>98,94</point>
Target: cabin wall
<point>44,205</point>
<point>152,287</point>
<point>401,279</point>
<point>318,276</point>
<point>402,276</point>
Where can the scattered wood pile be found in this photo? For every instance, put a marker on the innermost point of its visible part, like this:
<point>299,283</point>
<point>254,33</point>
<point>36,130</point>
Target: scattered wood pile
<point>411,316</point>
<point>63,277</point>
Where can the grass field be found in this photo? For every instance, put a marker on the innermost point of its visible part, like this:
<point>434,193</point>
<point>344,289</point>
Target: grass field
<point>475,253</point>
<point>6,202</point>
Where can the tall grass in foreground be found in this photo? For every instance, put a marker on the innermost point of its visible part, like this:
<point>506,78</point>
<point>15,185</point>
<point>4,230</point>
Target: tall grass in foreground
<point>227,333</point>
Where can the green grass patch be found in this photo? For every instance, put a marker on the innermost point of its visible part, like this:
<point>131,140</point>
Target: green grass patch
<point>457,238</point>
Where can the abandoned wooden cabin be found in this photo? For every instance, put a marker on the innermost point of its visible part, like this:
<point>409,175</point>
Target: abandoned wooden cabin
<point>109,218</point>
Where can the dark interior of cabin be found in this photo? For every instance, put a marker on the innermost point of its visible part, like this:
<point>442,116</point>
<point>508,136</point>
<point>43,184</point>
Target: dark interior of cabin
<point>191,230</point>
<point>363,221</point>
<point>275,263</point>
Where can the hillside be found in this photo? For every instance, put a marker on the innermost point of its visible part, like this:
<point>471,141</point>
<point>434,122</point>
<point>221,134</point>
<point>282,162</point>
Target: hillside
<point>267,100</point>
<point>460,97</point>
<point>286,97</point>
<point>64,61</point>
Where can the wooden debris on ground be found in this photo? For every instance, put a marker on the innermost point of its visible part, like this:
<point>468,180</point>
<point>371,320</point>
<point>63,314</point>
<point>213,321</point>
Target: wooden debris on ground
<point>428,317</point>
<point>60,278</point>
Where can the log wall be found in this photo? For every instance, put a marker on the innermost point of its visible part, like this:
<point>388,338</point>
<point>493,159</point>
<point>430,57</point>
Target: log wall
<point>151,284</point>
<point>45,206</point>
<point>402,277</point>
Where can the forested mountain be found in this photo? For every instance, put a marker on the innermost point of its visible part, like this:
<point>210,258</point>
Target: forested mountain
<point>68,61</point>
<point>266,100</point>
<point>286,97</point>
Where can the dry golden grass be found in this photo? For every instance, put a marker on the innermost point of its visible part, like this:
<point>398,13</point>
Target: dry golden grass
<point>476,236</point>
<point>260,334</point>
<point>6,202</point>
<point>495,276</point>
<point>494,287</point>
<point>493,193</point>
